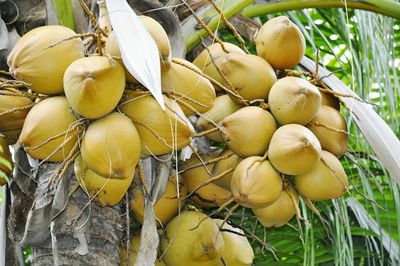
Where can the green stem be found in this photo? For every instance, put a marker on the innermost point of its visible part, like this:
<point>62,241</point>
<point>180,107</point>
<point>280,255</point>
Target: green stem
<point>385,7</point>
<point>230,8</point>
<point>65,13</point>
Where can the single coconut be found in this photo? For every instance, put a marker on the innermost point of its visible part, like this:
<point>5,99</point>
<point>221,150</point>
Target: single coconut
<point>223,165</point>
<point>330,100</point>
<point>248,131</point>
<point>280,211</point>
<point>49,130</point>
<point>195,174</point>
<point>327,180</point>
<point>133,252</point>
<point>238,251</point>
<point>166,208</point>
<point>329,126</point>
<point>223,106</point>
<point>106,191</point>
<point>161,132</point>
<point>18,108</point>
<point>6,164</point>
<point>294,150</point>
<point>281,43</point>
<point>94,81</point>
<point>255,183</point>
<point>111,146</point>
<point>294,100</point>
<point>210,59</point>
<point>189,87</point>
<point>192,238</point>
<point>251,76</point>
<point>42,55</point>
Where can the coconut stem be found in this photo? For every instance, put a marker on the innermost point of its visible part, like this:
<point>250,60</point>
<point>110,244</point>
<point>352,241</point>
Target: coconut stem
<point>16,109</point>
<point>199,157</point>
<point>66,132</point>
<point>76,36</point>
<point>185,97</point>
<point>209,181</point>
<point>141,178</point>
<point>205,132</point>
<point>298,73</point>
<point>318,124</point>
<point>292,196</point>
<point>205,27</point>
<point>230,212</point>
<point>153,132</point>
<point>62,169</point>
<point>226,156</point>
<point>311,206</point>
<point>92,18</point>
<point>230,26</point>
<point>5,73</point>
<point>17,93</point>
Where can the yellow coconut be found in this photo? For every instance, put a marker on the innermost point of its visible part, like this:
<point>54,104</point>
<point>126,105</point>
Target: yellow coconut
<point>94,85</point>
<point>281,43</point>
<point>191,88</point>
<point>223,165</point>
<point>210,195</point>
<point>111,48</point>
<point>166,208</point>
<point>280,211</point>
<point>255,183</point>
<point>330,100</point>
<point>248,131</point>
<point>330,128</point>
<point>294,100</point>
<point>41,57</point>
<point>134,250</point>
<point>111,146</point>
<point>186,241</point>
<point>327,180</point>
<point>14,120</point>
<point>6,164</point>
<point>251,76</point>
<point>106,191</point>
<point>208,65</point>
<point>160,131</point>
<point>223,106</point>
<point>160,37</point>
<point>238,251</point>
<point>294,150</point>
<point>48,131</point>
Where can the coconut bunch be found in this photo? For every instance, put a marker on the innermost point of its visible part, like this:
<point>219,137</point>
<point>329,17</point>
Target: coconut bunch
<point>76,108</point>
<point>284,136</point>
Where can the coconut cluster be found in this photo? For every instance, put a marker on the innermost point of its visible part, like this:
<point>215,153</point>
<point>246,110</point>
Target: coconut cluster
<point>273,137</point>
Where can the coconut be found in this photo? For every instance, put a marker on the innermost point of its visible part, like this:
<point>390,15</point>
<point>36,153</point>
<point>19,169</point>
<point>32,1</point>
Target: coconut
<point>14,120</point>
<point>208,65</point>
<point>251,76</point>
<point>223,106</point>
<point>255,183</point>
<point>41,56</point>
<point>94,81</point>
<point>294,100</point>
<point>134,250</point>
<point>330,100</point>
<point>193,239</point>
<point>251,125</point>
<point>327,180</point>
<point>294,150</point>
<point>6,164</point>
<point>161,132</point>
<point>281,43</point>
<point>48,126</point>
<point>111,146</point>
<point>166,208</point>
<point>333,138</point>
<point>111,48</point>
<point>210,195</point>
<point>280,211</point>
<point>106,191</point>
<point>238,251</point>
<point>223,165</point>
<point>191,88</point>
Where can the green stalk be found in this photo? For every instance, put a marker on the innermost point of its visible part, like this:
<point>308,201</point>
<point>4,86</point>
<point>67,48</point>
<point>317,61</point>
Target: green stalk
<point>65,13</point>
<point>230,8</point>
<point>385,7</point>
